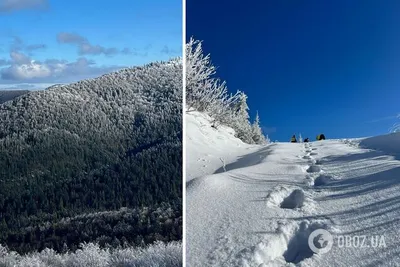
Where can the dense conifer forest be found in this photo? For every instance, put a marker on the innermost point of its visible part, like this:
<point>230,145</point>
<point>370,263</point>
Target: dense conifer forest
<point>98,160</point>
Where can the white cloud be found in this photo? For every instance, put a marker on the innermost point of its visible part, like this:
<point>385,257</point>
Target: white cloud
<point>19,58</point>
<point>19,45</point>
<point>26,71</point>
<point>35,47</point>
<point>167,50</point>
<point>22,68</point>
<point>70,38</point>
<point>15,5</point>
<point>85,47</point>
<point>4,62</point>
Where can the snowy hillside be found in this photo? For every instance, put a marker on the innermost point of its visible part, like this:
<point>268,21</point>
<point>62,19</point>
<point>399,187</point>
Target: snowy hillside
<point>262,210</point>
<point>210,148</point>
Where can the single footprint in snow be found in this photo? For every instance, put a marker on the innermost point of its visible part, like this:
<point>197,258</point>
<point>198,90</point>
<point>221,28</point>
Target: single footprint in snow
<point>294,200</point>
<point>323,179</point>
<point>287,246</point>
<point>313,168</point>
<point>297,247</point>
<point>276,196</point>
<point>313,153</point>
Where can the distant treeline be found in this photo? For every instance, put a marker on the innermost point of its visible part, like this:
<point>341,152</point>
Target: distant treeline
<point>7,95</point>
<point>124,227</point>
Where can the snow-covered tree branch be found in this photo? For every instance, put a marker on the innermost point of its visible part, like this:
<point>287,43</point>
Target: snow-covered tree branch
<point>208,94</point>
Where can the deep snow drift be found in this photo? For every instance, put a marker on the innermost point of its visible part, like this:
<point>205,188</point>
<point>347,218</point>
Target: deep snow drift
<point>263,208</point>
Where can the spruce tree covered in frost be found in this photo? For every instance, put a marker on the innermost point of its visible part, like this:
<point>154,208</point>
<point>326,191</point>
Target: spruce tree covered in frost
<point>208,94</point>
<point>198,71</point>
<point>240,121</point>
<point>257,135</point>
<point>204,92</point>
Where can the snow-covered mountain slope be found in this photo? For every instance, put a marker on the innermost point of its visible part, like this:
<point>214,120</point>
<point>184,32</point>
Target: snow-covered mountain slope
<point>262,213</point>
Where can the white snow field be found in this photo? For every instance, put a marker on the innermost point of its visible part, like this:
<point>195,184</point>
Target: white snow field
<point>262,209</point>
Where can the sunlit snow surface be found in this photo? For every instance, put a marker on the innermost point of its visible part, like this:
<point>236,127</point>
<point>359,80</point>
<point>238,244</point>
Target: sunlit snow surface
<point>262,209</point>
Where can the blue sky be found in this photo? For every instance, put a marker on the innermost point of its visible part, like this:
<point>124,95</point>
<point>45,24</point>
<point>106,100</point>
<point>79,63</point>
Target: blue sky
<point>309,66</point>
<point>43,42</point>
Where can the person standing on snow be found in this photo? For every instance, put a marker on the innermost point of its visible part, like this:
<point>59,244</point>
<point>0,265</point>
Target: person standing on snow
<point>293,140</point>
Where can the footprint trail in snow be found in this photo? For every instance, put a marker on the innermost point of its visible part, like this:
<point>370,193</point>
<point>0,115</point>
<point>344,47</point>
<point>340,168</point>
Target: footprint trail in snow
<point>263,213</point>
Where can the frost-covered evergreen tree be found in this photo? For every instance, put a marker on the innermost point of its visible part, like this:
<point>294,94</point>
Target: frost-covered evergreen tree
<point>240,121</point>
<point>242,108</point>
<point>257,135</point>
<point>205,93</point>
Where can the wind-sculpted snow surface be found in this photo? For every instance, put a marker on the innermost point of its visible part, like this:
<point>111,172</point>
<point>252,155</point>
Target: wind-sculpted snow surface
<point>386,143</point>
<point>211,149</point>
<point>156,255</point>
<point>263,214</point>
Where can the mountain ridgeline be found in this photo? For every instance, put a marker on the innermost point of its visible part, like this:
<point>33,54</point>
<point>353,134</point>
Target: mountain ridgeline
<point>7,95</point>
<point>96,145</point>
